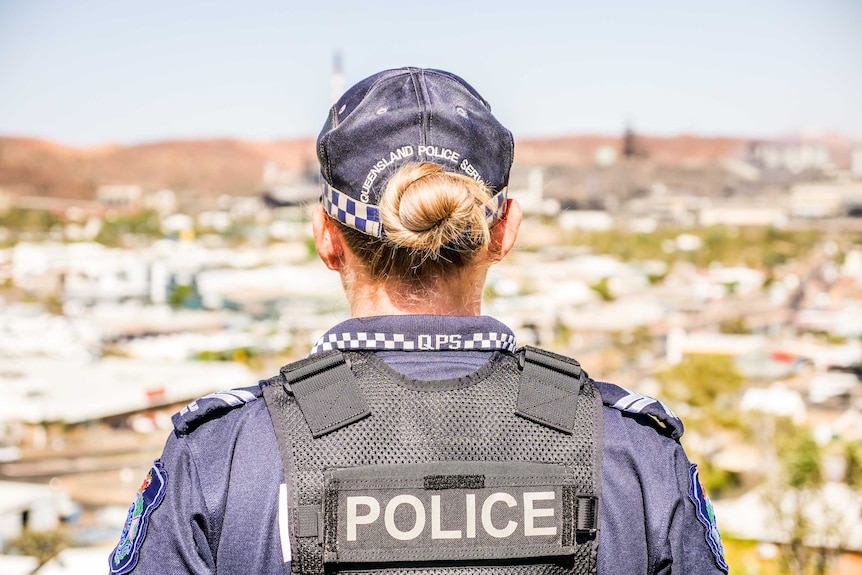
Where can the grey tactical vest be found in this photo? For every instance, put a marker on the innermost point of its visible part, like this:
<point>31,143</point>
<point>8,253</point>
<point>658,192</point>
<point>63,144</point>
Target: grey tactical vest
<point>497,472</point>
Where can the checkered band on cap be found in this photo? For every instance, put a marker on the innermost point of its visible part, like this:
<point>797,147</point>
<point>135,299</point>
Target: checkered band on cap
<point>360,340</point>
<point>366,217</point>
<point>357,215</point>
<point>496,207</point>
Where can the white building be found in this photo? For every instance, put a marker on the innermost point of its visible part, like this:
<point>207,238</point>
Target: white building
<point>28,330</point>
<point>832,511</point>
<point>311,281</point>
<point>593,220</point>
<point>532,197</point>
<point>739,214</point>
<point>81,271</point>
<point>38,390</point>
<point>792,156</point>
<point>681,344</point>
<point>824,199</point>
<point>856,161</point>
<point>775,400</point>
<point>30,506</point>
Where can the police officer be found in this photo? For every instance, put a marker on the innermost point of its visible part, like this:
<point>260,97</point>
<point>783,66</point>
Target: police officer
<point>416,437</point>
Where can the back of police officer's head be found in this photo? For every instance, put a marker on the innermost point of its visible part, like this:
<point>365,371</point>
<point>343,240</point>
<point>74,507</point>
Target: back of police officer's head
<point>415,169</point>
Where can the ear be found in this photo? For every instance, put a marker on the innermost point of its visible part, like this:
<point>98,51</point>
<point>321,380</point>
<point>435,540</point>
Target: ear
<point>327,239</point>
<point>504,234</point>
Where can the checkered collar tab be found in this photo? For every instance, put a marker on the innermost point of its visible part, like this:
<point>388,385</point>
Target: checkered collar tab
<point>418,333</point>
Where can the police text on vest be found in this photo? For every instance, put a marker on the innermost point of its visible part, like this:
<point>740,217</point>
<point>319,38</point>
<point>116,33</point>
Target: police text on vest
<point>499,515</point>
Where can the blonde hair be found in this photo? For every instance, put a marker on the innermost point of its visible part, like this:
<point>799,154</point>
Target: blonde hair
<point>432,220</point>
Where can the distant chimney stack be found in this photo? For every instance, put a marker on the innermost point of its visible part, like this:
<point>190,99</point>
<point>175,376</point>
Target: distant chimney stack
<point>337,77</point>
<point>629,143</point>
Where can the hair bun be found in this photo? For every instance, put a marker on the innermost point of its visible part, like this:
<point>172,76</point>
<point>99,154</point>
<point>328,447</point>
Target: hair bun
<point>426,208</point>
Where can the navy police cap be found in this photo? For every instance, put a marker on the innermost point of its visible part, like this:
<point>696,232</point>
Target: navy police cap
<point>408,115</point>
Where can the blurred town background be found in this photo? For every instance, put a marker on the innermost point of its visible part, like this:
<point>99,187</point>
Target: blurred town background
<point>722,275</point>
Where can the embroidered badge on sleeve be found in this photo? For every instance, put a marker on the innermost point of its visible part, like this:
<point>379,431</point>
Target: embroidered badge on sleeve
<point>706,515</point>
<point>152,490</point>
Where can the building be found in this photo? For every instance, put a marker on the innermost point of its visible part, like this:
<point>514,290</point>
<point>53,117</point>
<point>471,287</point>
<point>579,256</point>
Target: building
<point>30,506</point>
<point>795,156</point>
<point>736,213</point>
<point>831,513</point>
<point>42,395</point>
<point>126,196</point>
<point>856,161</point>
<point>825,199</point>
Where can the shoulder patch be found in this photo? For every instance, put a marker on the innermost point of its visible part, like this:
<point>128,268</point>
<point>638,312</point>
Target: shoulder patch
<point>623,399</point>
<point>125,555</point>
<point>706,515</point>
<point>212,406</point>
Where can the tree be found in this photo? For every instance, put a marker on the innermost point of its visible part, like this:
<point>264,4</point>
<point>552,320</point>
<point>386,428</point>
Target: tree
<point>602,287</point>
<point>43,545</point>
<point>800,459</point>
<point>736,325</point>
<point>853,457</point>
<point>794,497</point>
<point>115,228</point>
<point>707,383</point>
<point>709,386</point>
<point>180,294</point>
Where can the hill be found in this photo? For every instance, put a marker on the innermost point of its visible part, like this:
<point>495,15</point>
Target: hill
<point>37,167</point>
<point>227,166</point>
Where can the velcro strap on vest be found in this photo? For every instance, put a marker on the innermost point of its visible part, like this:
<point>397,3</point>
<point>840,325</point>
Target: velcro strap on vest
<point>326,391</point>
<point>308,519</point>
<point>549,387</point>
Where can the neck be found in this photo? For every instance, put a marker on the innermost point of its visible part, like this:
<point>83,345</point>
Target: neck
<point>457,294</point>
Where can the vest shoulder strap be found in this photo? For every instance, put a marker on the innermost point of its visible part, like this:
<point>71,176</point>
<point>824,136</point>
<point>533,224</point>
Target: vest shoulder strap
<point>549,388</point>
<point>326,391</point>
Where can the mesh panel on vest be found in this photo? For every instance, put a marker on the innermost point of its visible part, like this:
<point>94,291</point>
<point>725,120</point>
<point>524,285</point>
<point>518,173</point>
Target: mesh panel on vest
<point>476,422</point>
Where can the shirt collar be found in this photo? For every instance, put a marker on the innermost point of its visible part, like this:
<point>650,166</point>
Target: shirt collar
<point>418,333</point>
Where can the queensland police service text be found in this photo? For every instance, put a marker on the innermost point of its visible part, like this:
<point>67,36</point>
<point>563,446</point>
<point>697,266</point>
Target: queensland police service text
<point>404,152</point>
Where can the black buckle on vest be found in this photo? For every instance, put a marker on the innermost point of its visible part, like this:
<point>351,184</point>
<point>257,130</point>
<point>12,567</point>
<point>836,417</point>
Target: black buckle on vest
<point>326,391</point>
<point>549,388</point>
<point>587,515</point>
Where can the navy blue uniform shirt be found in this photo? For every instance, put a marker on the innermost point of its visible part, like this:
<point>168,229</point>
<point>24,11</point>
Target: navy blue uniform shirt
<point>215,500</point>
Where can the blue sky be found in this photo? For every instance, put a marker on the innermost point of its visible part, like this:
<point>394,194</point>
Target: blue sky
<point>92,72</point>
